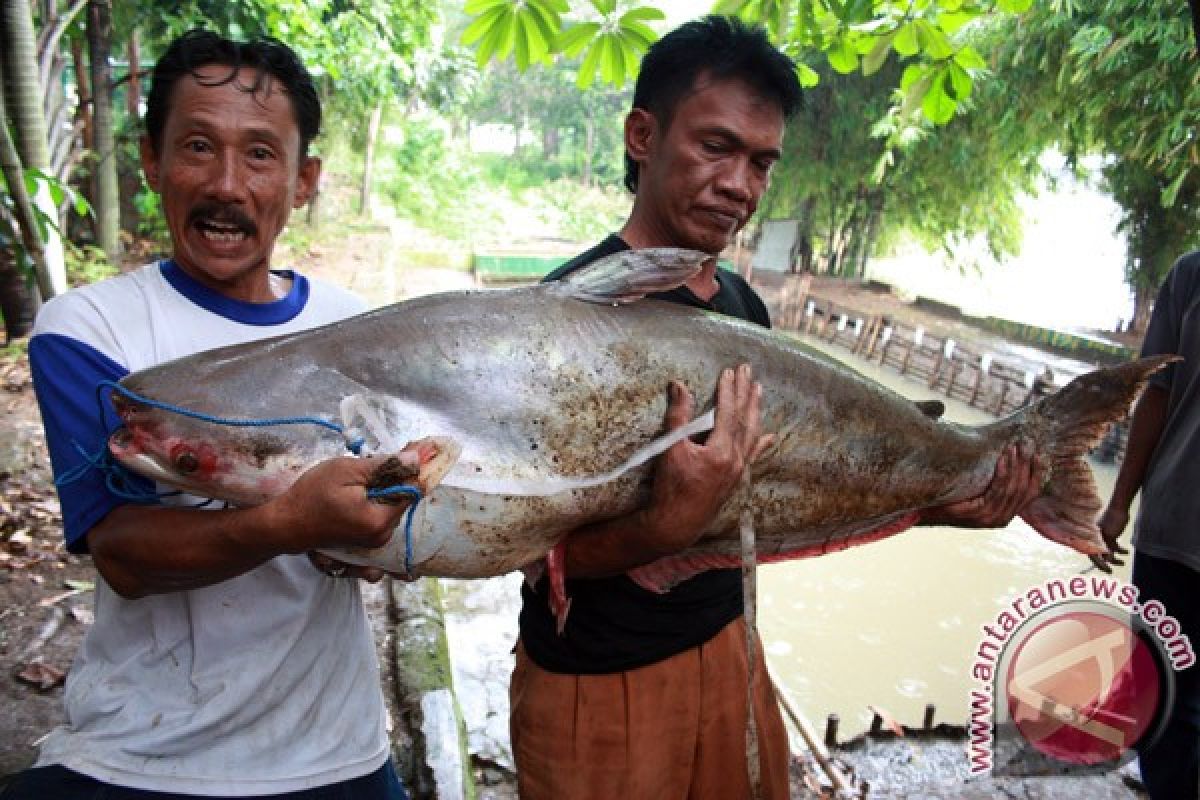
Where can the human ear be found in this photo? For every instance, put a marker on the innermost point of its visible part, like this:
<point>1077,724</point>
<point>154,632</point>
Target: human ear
<point>307,181</point>
<point>149,161</point>
<point>641,129</point>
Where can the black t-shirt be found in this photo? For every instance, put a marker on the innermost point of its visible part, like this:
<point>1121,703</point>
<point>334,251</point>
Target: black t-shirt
<point>614,624</point>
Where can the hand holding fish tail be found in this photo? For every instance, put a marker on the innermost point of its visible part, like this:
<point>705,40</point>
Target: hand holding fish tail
<point>1015,484</point>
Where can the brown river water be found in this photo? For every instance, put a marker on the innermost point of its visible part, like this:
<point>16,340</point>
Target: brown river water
<point>897,623</point>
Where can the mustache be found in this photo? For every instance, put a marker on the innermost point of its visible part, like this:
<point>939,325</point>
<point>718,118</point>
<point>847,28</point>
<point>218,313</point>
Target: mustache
<point>223,213</point>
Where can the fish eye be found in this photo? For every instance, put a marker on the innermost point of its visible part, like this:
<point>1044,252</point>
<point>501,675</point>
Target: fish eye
<point>186,462</point>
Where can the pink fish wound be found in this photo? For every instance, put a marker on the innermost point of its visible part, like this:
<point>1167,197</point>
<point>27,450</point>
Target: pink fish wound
<point>659,576</point>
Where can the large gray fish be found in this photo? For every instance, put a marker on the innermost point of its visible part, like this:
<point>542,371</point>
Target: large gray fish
<point>546,403</point>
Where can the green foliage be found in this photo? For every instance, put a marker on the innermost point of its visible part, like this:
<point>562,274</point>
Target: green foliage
<point>609,44</point>
<point>151,222</point>
<point>433,184</point>
<point>583,215</point>
<point>87,264</point>
<point>1119,79</point>
<point>35,181</point>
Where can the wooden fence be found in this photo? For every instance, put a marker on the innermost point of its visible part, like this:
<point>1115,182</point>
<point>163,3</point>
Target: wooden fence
<point>960,370</point>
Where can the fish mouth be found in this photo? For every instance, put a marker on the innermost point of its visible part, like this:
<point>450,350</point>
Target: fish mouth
<point>123,447</point>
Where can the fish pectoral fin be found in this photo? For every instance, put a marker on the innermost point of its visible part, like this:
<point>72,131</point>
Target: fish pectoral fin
<point>632,274</point>
<point>438,455</point>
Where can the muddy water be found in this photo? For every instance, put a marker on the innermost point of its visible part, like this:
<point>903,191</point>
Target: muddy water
<point>896,623</point>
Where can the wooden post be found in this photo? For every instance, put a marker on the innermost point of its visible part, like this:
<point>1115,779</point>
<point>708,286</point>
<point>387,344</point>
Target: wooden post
<point>831,730</point>
<point>930,710</point>
<point>876,724</point>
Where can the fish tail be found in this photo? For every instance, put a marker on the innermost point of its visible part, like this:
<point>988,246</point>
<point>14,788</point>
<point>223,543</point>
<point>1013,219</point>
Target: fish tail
<point>1064,427</point>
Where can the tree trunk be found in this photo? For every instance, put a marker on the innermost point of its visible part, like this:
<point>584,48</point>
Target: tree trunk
<point>18,299</point>
<point>875,202</point>
<point>1143,304</point>
<point>804,248</point>
<point>133,92</point>
<point>26,222</point>
<point>23,98</point>
<point>549,142</point>
<point>589,142</point>
<point>364,196</point>
<point>105,195</point>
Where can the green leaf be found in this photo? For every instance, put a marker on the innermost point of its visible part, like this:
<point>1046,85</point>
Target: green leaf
<point>482,25</point>
<point>968,58</point>
<point>912,73</point>
<point>960,82</point>
<point>953,21</point>
<point>605,7</point>
<point>493,39</point>
<point>842,57</point>
<point>731,7</point>
<point>641,14</point>
<point>807,76</point>
<point>874,59</point>
<point>521,44</point>
<point>508,36</point>
<point>1014,6</point>
<point>906,40</point>
<point>587,69</point>
<point>82,207</point>
<point>572,41</point>
<point>933,41</point>
<point>938,106</point>
<point>644,36</point>
<point>547,20</point>
<point>1167,198</point>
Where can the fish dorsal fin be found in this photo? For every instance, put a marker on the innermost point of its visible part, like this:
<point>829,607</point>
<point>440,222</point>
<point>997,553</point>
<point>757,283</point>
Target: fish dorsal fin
<point>931,408</point>
<point>632,274</point>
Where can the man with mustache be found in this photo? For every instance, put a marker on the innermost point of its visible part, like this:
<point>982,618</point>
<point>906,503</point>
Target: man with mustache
<point>223,661</point>
<point>643,695</point>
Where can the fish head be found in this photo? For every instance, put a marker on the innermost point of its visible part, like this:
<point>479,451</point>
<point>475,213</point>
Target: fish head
<point>242,465</point>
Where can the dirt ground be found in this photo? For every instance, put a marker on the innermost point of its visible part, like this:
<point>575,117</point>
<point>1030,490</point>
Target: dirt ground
<point>45,593</point>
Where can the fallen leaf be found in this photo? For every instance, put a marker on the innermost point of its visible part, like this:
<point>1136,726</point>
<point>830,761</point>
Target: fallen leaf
<point>41,675</point>
<point>83,616</point>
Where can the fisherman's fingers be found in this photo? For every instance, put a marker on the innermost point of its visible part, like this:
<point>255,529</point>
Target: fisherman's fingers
<point>680,406</point>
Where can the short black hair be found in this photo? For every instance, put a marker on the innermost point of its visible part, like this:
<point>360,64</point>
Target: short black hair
<point>272,59</point>
<point>719,47</point>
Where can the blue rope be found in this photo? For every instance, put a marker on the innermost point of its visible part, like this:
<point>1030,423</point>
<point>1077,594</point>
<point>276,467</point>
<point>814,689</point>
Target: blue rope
<point>117,478</point>
<point>353,445</point>
<point>415,494</point>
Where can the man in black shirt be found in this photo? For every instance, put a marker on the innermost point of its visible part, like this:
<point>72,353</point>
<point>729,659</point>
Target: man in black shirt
<point>644,695</point>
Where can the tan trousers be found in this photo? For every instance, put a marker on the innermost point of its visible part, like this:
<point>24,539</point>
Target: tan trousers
<point>675,730</point>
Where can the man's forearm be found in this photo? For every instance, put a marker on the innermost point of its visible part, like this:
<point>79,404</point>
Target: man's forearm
<point>611,547</point>
<point>1149,418</point>
<point>142,551</point>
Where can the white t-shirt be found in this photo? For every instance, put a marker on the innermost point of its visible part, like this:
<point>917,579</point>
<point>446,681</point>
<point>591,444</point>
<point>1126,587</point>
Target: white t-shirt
<point>265,683</point>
